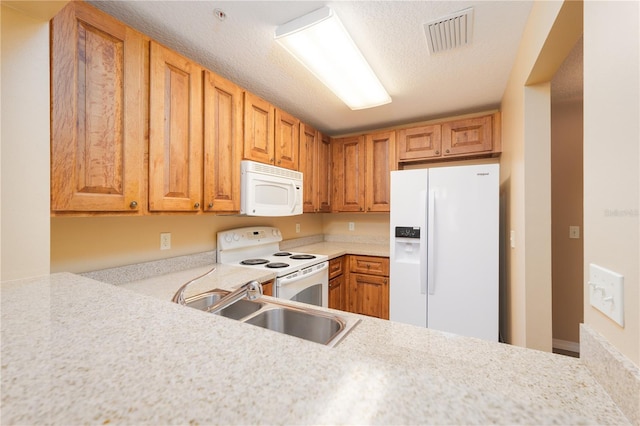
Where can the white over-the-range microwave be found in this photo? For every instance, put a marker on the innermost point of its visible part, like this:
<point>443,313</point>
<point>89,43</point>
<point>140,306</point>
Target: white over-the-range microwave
<point>267,190</point>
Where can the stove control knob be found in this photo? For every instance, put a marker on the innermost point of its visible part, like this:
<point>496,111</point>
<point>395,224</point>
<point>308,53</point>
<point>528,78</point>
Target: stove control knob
<point>228,238</point>
<point>236,237</point>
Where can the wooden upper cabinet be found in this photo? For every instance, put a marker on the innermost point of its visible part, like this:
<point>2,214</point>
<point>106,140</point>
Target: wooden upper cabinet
<point>270,135</point>
<point>419,142</point>
<point>470,137</point>
<point>380,149</point>
<point>223,116</point>
<point>97,112</point>
<point>348,156</point>
<point>175,132</point>
<point>259,122</point>
<point>308,167</point>
<point>362,172</point>
<point>315,164</point>
<point>287,140</point>
<point>325,180</point>
<point>473,135</point>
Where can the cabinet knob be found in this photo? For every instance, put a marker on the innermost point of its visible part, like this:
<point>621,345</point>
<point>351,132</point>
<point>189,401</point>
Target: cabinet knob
<point>133,205</point>
<point>447,151</point>
<point>196,206</point>
<point>361,208</point>
<point>437,152</point>
<point>210,205</point>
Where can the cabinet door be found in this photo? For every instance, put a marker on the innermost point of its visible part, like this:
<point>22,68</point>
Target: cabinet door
<point>337,293</point>
<point>222,143</point>
<point>380,148</point>
<point>308,161</point>
<point>267,288</point>
<point>259,124</point>
<point>348,174</point>
<point>473,135</point>
<point>419,143</point>
<point>97,112</point>
<point>175,132</point>
<point>323,182</point>
<point>369,295</point>
<point>287,140</point>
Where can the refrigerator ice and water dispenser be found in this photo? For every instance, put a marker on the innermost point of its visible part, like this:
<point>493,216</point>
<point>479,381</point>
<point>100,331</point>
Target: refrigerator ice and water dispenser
<point>407,240</point>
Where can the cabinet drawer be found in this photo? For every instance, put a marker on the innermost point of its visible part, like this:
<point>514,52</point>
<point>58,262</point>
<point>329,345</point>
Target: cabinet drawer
<point>369,265</point>
<point>336,267</point>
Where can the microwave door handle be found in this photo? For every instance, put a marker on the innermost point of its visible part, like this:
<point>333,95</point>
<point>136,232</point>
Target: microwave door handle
<point>296,198</point>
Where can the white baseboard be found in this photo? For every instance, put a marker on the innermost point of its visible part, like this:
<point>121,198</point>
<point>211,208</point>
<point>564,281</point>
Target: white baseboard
<point>566,345</point>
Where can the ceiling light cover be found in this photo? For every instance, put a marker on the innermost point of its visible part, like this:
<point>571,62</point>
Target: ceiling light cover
<point>321,43</point>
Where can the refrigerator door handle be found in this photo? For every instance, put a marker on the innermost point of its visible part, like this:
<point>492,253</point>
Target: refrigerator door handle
<point>431,218</point>
<point>423,242</point>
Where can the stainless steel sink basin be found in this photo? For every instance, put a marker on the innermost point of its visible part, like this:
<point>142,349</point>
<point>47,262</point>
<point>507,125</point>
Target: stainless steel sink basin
<point>314,327</point>
<point>292,319</point>
<point>237,310</point>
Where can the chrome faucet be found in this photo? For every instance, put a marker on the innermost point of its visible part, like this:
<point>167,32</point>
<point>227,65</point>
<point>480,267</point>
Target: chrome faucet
<point>251,290</point>
<point>179,296</point>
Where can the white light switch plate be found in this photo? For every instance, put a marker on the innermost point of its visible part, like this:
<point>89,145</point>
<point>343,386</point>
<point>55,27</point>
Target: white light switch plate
<point>606,292</point>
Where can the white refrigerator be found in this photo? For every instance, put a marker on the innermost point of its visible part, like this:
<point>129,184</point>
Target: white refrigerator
<point>444,254</point>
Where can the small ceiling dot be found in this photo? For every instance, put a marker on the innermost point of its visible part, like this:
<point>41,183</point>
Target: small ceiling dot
<point>220,14</point>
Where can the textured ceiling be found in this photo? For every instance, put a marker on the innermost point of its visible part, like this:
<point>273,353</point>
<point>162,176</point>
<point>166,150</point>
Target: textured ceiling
<point>389,33</point>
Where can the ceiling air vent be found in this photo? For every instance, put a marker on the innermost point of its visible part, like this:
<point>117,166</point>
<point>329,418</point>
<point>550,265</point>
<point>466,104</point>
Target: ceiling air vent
<point>449,32</point>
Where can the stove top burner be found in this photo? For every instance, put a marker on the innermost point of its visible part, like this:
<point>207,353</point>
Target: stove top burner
<point>303,256</point>
<point>277,265</point>
<point>254,262</point>
<point>282,253</point>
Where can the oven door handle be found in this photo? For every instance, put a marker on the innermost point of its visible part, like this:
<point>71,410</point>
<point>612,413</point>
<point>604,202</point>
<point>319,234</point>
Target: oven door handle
<point>299,277</point>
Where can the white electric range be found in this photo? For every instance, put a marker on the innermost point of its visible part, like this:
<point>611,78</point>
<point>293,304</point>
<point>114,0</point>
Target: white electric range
<point>301,277</point>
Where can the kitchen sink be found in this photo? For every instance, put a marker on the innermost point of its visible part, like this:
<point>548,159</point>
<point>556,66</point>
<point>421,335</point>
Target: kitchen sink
<point>294,320</point>
<point>237,310</point>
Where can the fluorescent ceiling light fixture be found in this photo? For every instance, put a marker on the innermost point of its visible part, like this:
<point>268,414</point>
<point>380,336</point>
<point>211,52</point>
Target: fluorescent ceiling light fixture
<point>321,43</point>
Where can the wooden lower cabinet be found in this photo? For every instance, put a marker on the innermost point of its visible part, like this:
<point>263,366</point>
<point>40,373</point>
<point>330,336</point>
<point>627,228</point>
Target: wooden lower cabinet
<point>337,287</point>
<point>267,288</point>
<point>367,286</point>
<point>369,295</point>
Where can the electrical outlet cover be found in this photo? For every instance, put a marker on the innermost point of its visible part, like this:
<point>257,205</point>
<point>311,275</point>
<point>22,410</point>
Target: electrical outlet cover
<point>606,292</point>
<point>165,241</point>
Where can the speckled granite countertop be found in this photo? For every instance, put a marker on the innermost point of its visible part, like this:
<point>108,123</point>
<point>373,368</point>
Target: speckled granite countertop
<point>78,351</point>
<point>335,249</point>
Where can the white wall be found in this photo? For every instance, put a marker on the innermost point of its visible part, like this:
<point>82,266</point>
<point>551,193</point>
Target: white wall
<point>24,210</point>
<point>612,160</point>
<point>525,171</point>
